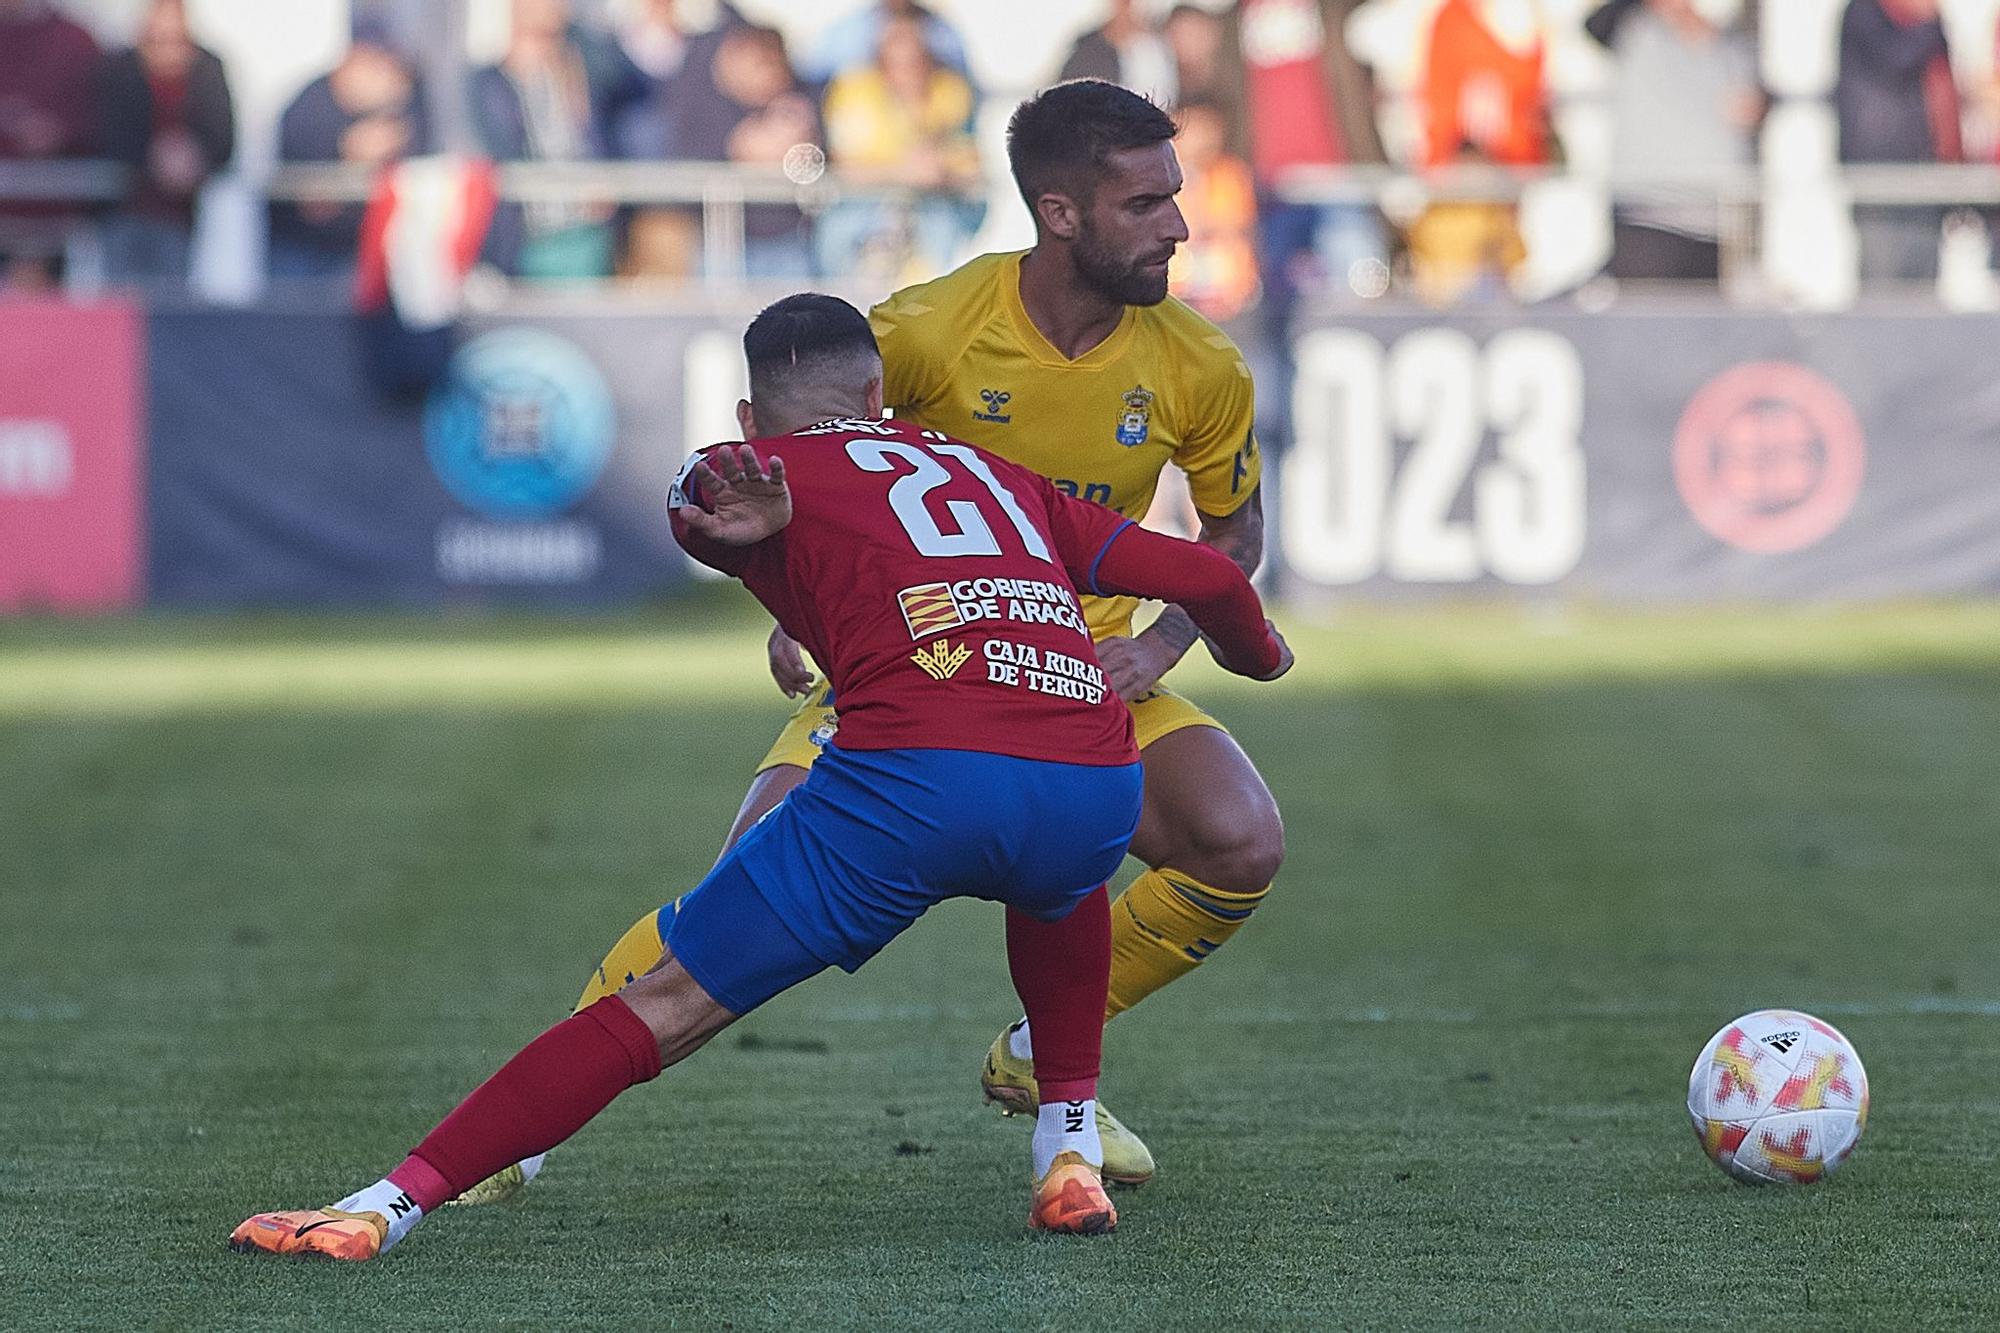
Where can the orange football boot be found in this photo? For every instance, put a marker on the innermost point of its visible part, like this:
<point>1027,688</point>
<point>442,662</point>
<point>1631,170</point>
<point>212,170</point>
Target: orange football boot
<point>326,1232</point>
<point>1071,1199</point>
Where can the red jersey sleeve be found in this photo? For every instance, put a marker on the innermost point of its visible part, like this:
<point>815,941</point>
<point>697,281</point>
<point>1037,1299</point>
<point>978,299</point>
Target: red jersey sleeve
<point>1109,555</point>
<point>1081,531</point>
<point>1201,580</point>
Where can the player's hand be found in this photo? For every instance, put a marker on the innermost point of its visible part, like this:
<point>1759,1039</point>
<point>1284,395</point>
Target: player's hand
<point>1284,657</point>
<point>747,499</point>
<point>788,664</point>
<point>1134,666</point>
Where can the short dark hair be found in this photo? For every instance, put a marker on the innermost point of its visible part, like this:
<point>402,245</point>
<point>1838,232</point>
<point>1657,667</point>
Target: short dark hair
<point>1060,139</point>
<point>801,335</point>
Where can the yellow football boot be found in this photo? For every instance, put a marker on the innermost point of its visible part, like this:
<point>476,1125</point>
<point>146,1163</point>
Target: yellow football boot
<point>502,1185</point>
<point>1010,1081</point>
<point>1071,1199</point>
<point>325,1232</point>
<point>499,1187</point>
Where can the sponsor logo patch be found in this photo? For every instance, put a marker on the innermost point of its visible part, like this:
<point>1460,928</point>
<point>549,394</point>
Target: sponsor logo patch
<point>933,608</point>
<point>942,659</point>
<point>928,609</point>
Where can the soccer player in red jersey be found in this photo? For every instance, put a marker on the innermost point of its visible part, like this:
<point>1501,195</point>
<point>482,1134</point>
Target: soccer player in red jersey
<point>982,753</point>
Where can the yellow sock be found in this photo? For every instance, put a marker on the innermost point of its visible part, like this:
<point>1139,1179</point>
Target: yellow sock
<point>1161,929</point>
<point>632,957</point>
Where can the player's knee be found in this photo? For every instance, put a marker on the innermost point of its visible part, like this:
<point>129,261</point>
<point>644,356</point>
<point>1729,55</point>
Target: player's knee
<point>677,1011</point>
<point>1238,856</point>
<point>1254,862</point>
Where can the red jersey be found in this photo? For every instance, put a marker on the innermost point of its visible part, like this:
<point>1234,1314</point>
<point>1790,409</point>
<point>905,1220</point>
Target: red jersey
<point>932,582</point>
<point>935,584</point>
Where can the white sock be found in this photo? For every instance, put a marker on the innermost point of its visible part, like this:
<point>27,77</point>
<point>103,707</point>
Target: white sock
<point>1066,1127</point>
<point>532,1166</point>
<point>1018,1044</point>
<point>390,1201</point>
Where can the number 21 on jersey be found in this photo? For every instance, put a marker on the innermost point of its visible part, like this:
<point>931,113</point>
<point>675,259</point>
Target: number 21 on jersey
<point>932,467</point>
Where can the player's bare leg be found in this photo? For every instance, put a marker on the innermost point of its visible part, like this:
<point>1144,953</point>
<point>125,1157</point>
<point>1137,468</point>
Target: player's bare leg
<point>770,786</point>
<point>551,1089</point>
<point>1210,833</point>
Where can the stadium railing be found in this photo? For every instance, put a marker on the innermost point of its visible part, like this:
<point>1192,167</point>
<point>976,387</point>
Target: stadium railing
<point>721,192</point>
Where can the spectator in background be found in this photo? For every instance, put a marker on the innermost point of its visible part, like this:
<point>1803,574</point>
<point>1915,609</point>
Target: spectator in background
<point>1983,142</point>
<point>552,98</point>
<point>1208,67</point>
<point>1896,102</point>
<point>672,43</point>
<point>1484,105</point>
<point>903,121</point>
<point>654,35</point>
<point>1215,269</point>
<point>1684,101</point>
<point>1482,84</point>
<point>367,111</point>
<point>47,111</point>
<point>851,43</point>
<point>1465,249</point>
<point>165,113</point>
<point>1311,106</point>
<point>662,39</point>
<point>1982,139</point>
<point>749,108</point>
<point>1126,51</point>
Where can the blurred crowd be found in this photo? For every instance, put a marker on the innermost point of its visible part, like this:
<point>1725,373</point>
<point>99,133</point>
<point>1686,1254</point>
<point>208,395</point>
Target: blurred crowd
<point>1269,93</point>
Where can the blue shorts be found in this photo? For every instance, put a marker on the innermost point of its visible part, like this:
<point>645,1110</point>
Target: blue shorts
<point>872,838</point>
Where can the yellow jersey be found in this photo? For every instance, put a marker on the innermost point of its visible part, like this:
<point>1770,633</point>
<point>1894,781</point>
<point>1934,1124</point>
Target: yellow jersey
<point>961,356</point>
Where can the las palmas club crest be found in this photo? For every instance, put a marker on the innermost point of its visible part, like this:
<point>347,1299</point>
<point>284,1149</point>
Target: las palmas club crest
<point>1135,418</point>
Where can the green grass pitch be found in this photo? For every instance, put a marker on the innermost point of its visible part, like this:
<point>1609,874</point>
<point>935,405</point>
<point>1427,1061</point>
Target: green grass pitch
<point>277,892</point>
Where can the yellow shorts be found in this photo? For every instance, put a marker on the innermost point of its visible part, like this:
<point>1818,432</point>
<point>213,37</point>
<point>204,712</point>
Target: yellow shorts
<point>813,724</point>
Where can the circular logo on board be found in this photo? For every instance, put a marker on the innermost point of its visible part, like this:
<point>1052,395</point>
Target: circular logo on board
<point>522,425</point>
<point>1768,457</point>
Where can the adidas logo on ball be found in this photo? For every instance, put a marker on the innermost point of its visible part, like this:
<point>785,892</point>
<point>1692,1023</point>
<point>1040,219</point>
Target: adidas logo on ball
<point>1781,1042</point>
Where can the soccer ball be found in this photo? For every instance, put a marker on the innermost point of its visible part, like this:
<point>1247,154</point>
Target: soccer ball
<point>1778,1097</point>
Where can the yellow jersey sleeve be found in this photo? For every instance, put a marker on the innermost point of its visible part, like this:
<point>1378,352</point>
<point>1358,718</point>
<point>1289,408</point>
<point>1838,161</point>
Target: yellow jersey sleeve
<point>1218,450</point>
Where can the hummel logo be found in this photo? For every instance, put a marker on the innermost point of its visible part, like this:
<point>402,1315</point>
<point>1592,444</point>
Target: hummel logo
<point>1781,1042</point>
<point>1072,1117</point>
<point>942,659</point>
<point>996,401</point>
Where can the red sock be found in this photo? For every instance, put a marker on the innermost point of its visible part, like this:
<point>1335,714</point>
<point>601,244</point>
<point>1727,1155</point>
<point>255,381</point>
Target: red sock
<point>1062,970</point>
<point>549,1091</point>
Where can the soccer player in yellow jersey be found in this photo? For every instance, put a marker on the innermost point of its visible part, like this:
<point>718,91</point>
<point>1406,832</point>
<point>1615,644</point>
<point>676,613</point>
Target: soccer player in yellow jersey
<point>1071,359</point>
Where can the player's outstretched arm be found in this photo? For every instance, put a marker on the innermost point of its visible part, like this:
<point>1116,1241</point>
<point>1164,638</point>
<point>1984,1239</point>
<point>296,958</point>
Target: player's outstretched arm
<point>1207,584</point>
<point>1109,555</point>
<point>1238,535</point>
<point>733,498</point>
